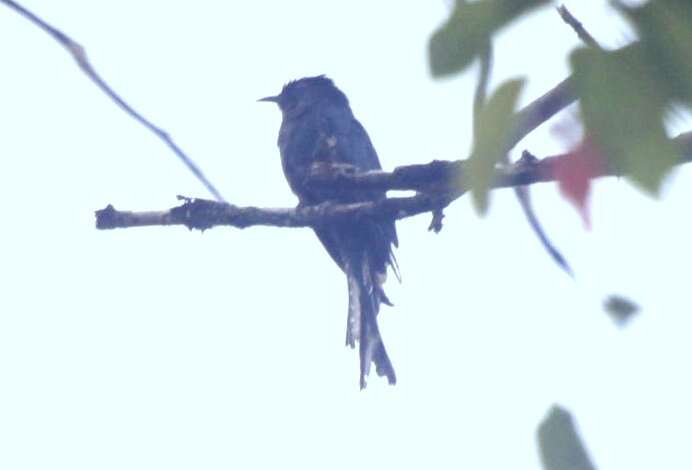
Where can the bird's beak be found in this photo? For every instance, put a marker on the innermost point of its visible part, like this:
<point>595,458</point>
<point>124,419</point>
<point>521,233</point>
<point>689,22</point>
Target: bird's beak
<point>271,99</point>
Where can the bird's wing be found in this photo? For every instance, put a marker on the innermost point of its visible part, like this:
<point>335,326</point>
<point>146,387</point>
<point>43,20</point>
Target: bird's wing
<point>363,152</point>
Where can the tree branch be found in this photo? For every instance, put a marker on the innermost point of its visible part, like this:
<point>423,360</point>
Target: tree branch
<point>202,214</point>
<point>542,109</point>
<point>441,181</point>
<point>442,176</point>
<point>79,55</point>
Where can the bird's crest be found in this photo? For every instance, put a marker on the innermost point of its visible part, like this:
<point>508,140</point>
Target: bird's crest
<point>319,86</point>
<point>305,82</point>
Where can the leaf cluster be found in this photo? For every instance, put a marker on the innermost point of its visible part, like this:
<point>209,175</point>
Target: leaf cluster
<point>625,95</point>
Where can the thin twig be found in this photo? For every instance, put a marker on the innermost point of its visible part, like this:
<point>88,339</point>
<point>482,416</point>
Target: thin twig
<point>79,55</point>
<point>545,106</point>
<point>526,121</point>
<point>578,27</point>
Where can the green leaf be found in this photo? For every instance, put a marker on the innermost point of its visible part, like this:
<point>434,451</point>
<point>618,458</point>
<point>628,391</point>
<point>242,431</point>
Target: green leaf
<point>665,30</point>
<point>623,107</point>
<point>559,443</point>
<point>455,44</point>
<point>490,142</point>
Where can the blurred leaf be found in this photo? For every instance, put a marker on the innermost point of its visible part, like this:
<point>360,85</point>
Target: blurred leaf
<point>490,141</point>
<point>470,26</point>
<point>574,173</point>
<point>623,107</point>
<point>620,309</point>
<point>665,30</point>
<point>559,443</point>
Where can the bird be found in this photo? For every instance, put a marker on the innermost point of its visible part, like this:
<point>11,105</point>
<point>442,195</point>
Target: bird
<point>318,126</point>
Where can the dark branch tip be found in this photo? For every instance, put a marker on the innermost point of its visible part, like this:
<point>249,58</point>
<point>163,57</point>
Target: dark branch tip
<point>106,218</point>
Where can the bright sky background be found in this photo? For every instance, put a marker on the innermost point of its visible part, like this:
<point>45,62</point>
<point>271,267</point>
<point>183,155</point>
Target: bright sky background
<point>163,348</point>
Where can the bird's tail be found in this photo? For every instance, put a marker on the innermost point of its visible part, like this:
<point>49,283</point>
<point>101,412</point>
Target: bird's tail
<point>364,297</point>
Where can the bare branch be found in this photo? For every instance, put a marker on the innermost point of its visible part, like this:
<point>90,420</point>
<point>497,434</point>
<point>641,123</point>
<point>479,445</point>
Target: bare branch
<point>438,176</point>
<point>79,55</point>
<point>202,214</point>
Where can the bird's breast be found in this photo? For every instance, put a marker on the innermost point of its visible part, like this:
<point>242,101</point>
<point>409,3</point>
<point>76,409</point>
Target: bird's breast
<point>298,141</point>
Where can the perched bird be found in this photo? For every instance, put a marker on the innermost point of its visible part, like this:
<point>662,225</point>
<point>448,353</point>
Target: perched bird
<point>318,126</point>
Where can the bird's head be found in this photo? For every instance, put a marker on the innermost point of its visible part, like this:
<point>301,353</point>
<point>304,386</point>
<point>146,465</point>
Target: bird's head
<point>300,96</point>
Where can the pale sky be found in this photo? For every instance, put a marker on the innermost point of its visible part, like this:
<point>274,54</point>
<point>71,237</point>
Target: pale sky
<point>164,348</point>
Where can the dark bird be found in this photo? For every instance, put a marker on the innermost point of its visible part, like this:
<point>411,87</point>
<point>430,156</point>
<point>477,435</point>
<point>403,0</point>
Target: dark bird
<point>318,126</point>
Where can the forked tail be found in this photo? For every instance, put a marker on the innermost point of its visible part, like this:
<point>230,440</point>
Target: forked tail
<point>364,297</point>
